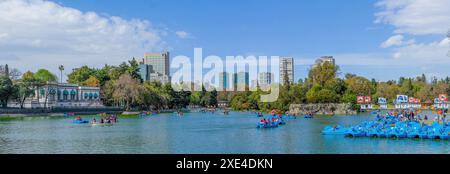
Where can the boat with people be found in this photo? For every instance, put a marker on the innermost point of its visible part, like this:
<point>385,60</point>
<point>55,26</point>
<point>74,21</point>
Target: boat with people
<point>259,114</point>
<point>309,115</point>
<point>267,124</point>
<point>272,121</point>
<point>395,125</point>
<point>79,120</point>
<point>334,130</point>
<point>105,121</point>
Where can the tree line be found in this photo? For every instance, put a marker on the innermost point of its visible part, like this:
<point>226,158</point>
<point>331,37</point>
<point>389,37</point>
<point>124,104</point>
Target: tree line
<point>121,85</point>
<point>323,85</point>
<point>15,86</point>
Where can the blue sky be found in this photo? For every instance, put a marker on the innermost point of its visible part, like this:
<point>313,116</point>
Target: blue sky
<point>237,27</point>
<point>352,31</point>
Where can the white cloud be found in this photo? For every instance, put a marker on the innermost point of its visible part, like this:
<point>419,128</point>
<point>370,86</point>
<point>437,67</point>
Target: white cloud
<point>3,35</point>
<point>396,40</point>
<point>182,34</point>
<point>417,17</point>
<point>46,34</point>
<point>425,53</point>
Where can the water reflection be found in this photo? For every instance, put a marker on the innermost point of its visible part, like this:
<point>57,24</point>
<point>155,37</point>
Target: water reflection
<point>199,133</point>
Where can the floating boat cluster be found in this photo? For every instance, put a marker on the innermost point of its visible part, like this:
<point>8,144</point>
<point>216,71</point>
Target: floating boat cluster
<point>391,127</point>
<point>272,122</point>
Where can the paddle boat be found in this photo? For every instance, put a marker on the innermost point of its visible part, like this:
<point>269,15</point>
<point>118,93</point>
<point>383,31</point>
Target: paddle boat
<point>413,132</point>
<point>445,134</point>
<point>80,121</point>
<point>355,132</point>
<point>267,125</point>
<point>400,133</point>
<point>308,116</point>
<point>334,130</point>
<point>280,122</point>
<point>373,132</point>
<point>381,133</point>
<point>390,132</point>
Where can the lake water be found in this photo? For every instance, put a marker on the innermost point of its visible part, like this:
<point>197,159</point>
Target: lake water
<point>199,133</point>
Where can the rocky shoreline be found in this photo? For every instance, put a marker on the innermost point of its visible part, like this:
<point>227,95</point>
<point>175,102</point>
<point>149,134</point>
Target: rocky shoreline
<point>322,109</point>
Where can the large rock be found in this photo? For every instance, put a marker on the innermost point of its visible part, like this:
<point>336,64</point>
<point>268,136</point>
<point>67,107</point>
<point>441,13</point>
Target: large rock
<point>322,109</point>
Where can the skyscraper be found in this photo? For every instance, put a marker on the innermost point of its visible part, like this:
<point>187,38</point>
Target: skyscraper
<point>323,59</point>
<point>241,79</point>
<point>265,79</point>
<point>224,78</point>
<point>155,67</point>
<point>159,62</point>
<point>287,70</point>
<point>145,71</point>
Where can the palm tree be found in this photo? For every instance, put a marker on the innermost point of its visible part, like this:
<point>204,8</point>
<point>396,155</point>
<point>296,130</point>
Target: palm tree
<point>61,68</point>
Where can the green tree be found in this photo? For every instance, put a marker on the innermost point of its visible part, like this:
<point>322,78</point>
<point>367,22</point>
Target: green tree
<point>26,87</point>
<point>92,81</point>
<point>42,77</point>
<point>387,90</point>
<point>127,90</point>
<point>320,74</point>
<point>312,94</point>
<point>407,87</point>
<point>133,69</point>
<point>212,100</point>
<point>359,85</point>
<point>327,96</point>
<point>107,93</point>
<point>80,75</point>
<point>6,90</point>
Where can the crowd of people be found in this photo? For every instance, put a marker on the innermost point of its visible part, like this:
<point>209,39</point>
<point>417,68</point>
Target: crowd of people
<point>415,115</point>
<point>273,119</point>
<point>106,120</point>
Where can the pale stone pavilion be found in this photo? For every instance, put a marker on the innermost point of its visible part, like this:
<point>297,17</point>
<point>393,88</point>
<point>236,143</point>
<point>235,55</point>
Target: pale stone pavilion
<point>65,95</point>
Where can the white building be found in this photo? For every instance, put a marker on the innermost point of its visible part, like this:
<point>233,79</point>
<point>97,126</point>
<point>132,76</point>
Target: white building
<point>323,59</point>
<point>265,79</point>
<point>287,69</point>
<point>65,95</point>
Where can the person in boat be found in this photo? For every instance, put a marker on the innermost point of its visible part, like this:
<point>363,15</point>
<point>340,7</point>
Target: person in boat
<point>94,121</point>
<point>263,121</point>
<point>78,118</point>
<point>102,121</point>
